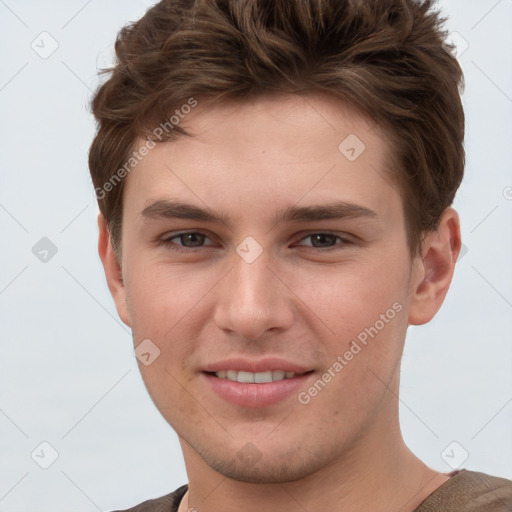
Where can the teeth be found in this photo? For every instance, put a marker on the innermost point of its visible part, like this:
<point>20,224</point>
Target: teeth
<point>246,377</point>
<point>278,375</point>
<point>258,378</point>
<point>262,377</point>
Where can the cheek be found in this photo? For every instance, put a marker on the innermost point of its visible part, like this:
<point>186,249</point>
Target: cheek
<point>363,325</point>
<point>345,300</point>
<point>160,296</point>
<point>362,360</point>
<point>169,306</point>
<point>162,303</point>
<point>366,309</point>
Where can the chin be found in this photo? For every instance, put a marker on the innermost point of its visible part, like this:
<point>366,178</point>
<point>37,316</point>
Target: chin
<point>250,467</point>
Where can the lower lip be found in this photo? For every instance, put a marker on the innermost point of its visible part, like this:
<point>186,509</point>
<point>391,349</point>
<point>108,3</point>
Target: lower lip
<point>256,395</point>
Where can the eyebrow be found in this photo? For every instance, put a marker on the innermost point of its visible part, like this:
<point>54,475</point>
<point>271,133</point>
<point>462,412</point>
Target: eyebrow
<point>168,209</point>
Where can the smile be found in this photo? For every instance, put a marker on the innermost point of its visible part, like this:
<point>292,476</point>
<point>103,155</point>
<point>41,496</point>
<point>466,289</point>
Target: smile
<point>256,389</point>
<point>255,378</point>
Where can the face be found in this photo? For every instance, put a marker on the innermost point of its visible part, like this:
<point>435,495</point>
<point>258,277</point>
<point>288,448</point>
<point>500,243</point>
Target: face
<point>298,268</point>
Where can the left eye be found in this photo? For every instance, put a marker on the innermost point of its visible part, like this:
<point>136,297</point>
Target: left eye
<point>193,240</point>
<point>325,238</point>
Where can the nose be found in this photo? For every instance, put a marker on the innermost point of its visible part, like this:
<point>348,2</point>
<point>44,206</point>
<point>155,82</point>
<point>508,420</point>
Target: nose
<point>253,299</point>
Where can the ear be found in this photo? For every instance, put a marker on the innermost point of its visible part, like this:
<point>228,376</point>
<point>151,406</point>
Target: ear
<point>113,271</point>
<point>439,253</point>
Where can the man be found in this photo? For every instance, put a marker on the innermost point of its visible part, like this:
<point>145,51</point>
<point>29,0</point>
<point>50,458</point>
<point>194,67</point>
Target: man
<point>275,181</point>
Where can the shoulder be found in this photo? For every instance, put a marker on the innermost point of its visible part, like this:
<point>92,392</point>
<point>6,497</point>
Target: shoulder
<point>470,491</point>
<point>167,503</point>
<point>493,494</point>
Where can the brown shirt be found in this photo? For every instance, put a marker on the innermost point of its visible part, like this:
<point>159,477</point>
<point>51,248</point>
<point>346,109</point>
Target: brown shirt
<point>470,491</point>
<point>465,491</point>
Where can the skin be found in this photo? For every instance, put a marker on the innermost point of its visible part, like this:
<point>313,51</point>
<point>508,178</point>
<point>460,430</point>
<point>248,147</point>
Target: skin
<point>296,300</point>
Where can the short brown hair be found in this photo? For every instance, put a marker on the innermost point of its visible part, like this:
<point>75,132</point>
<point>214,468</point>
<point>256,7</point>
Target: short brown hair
<point>386,57</point>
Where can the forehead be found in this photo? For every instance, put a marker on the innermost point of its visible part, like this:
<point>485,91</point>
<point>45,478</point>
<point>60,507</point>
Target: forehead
<point>272,150</point>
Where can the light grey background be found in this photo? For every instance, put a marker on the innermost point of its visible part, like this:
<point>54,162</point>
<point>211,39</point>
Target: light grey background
<point>68,375</point>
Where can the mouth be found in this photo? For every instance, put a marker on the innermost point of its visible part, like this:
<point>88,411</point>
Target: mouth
<point>246,377</point>
<point>257,389</point>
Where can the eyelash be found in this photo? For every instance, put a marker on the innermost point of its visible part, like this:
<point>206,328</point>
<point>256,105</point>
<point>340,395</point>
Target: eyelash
<point>167,242</point>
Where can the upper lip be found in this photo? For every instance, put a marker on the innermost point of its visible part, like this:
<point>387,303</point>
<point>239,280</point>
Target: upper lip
<point>256,366</point>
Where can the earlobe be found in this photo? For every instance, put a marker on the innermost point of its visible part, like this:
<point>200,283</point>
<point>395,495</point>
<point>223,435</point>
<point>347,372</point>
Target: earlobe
<point>113,271</point>
<point>439,254</point>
